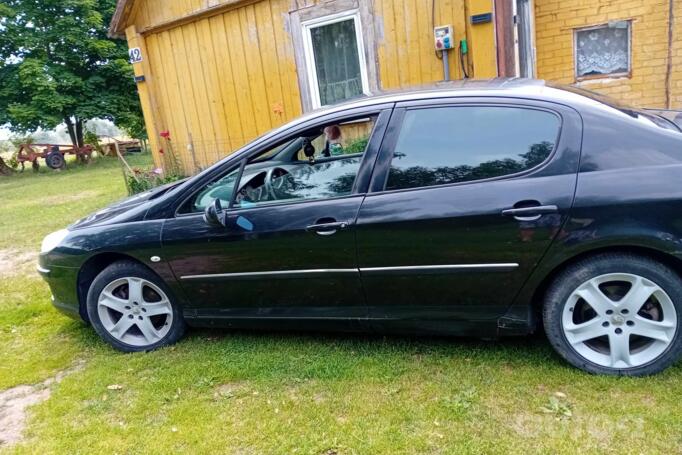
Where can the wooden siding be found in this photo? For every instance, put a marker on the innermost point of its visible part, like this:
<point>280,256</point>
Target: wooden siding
<point>216,81</point>
<point>405,36</point>
<point>148,14</point>
<point>223,80</point>
<point>482,41</point>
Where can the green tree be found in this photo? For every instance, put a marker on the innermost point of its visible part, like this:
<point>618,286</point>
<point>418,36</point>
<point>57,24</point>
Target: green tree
<point>57,65</point>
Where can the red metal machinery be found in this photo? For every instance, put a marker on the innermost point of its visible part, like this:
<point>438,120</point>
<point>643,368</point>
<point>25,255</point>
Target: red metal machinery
<point>53,154</point>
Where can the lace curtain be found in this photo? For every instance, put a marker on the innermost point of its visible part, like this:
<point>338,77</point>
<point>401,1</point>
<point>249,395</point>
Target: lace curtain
<point>337,62</point>
<point>603,50</point>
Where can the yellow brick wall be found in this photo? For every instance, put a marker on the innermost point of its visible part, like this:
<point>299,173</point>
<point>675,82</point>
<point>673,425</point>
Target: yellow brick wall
<point>555,21</point>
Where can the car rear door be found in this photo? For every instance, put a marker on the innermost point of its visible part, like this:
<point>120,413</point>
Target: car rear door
<point>466,197</point>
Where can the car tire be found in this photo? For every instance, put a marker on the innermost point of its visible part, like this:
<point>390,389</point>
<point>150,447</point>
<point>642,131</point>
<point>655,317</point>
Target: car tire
<point>132,309</point>
<point>616,314</point>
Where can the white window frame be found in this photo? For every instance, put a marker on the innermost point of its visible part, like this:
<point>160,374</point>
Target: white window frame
<point>310,55</point>
<point>627,73</point>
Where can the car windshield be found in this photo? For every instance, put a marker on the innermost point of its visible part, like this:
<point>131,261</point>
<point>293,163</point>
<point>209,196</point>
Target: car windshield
<point>269,155</point>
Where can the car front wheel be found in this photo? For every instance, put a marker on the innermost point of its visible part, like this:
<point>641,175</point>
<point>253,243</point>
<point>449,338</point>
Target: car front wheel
<point>616,314</point>
<point>132,309</point>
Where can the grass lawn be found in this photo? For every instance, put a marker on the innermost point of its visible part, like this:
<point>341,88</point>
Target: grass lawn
<point>263,393</point>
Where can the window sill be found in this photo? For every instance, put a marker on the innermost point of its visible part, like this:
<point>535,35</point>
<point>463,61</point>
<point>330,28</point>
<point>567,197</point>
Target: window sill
<point>602,78</point>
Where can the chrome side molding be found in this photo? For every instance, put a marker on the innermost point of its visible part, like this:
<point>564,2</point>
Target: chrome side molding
<point>435,269</point>
<point>312,273</point>
<point>274,274</point>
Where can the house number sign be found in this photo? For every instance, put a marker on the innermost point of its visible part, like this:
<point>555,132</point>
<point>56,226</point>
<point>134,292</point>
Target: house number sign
<point>135,55</point>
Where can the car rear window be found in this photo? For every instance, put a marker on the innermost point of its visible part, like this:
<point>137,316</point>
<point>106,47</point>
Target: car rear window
<point>650,117</point>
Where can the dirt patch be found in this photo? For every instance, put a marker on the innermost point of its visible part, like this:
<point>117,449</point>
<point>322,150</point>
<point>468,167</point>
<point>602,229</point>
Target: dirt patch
<point>15,402</point>
<point>59,199</point>
<point>231,390</point>
<point>17,262</point>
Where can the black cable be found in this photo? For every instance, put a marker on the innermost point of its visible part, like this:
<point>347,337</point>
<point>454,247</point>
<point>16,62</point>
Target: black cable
<point>433,13</point>
<point>461,61</point>
<point>433,25</point>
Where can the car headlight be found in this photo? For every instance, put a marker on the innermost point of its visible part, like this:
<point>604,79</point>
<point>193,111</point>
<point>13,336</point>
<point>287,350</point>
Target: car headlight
<point>51,241</point>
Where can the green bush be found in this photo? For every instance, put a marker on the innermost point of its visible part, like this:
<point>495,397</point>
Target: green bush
<point>14,161</point>
<point>92,139</point>
<point>142,180</point>
<point>356,146</point>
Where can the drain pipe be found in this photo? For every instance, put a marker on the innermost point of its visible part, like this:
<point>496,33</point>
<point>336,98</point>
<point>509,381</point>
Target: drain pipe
<point>446,66</point>
<point>669,69</point>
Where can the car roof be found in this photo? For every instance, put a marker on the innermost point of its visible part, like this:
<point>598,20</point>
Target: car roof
<point>522,88</point>
<point>519,88</point>
<point>499,87</point>
<point>505,87</point>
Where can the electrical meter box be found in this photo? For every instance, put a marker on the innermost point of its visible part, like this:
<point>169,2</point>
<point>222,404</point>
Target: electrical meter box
<point>443,36</point>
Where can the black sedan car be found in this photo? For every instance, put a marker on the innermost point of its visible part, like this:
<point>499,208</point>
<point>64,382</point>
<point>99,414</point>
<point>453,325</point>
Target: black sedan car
<point>484,209</point>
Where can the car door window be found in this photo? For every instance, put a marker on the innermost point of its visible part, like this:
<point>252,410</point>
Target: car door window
<point>443,145</point>
<point>321,163</point>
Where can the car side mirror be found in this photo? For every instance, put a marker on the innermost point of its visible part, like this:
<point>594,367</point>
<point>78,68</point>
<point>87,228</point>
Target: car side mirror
<point>213,215</point>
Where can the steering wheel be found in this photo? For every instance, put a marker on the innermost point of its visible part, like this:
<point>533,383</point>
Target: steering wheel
<point>275,181</point>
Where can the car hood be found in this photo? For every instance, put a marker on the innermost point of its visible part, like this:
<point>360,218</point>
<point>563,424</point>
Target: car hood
<point>115,210</point>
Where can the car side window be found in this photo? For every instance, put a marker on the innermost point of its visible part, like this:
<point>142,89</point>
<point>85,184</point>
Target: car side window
<point>317,164</point>
<point>442,145</point>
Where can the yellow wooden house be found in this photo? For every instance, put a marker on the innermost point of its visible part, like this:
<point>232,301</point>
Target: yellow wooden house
<point>214,74</point>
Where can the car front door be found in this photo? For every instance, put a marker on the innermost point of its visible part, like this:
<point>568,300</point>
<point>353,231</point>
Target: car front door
<point>465,199</point>
<point>287,249</point>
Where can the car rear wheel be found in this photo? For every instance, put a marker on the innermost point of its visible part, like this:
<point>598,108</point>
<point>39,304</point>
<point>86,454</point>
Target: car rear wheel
<point>132,309</point>
<point>616,314</point>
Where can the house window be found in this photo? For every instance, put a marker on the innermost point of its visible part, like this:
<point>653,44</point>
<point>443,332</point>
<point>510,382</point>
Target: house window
<point>335,58</point>
<point>603,50</point>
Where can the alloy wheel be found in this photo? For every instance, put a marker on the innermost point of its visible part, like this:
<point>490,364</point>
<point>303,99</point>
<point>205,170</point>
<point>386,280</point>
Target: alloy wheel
<point>135,311</point>
<point>619,320</point>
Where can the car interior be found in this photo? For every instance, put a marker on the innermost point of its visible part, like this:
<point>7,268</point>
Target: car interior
<point>319,163</point>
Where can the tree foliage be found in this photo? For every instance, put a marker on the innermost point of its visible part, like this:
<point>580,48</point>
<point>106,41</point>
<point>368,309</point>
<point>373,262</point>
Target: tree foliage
<point>57,65</point>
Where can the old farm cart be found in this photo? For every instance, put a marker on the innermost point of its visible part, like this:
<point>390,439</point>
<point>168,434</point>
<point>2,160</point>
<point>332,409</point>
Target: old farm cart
<point>53,154</point>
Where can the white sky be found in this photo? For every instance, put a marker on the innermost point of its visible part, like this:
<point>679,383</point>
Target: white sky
<point>4,133</point>
<point>59,134</point>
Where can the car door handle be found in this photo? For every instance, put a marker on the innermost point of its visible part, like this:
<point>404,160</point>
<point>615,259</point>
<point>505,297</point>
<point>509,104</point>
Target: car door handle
<point>530,213</point>
<point>327,228</point>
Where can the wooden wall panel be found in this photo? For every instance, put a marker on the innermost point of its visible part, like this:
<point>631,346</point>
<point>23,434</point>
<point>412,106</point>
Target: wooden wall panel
<point>144,91</point>
<point>158,86</point>
<point>285,55</point>
<point>482,40</point>
<point>405,36</point>
<point>221,81</point>
<point>240,75</point>
<point>151,13</point>
<point>234,131</point>
<point>171,91</point>
<point>205,140</point>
